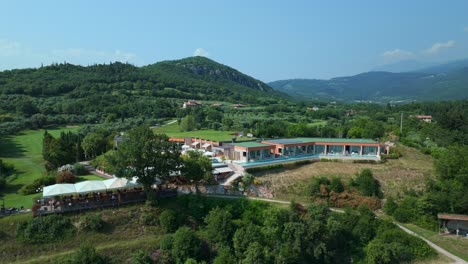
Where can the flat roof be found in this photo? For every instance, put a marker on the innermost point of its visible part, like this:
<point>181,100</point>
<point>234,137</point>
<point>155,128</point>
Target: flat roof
<point>250,144</point>
<point>287,141</point>
<point>453,217</point>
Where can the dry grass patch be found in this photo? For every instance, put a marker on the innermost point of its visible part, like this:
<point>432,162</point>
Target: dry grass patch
<point>395,176</point>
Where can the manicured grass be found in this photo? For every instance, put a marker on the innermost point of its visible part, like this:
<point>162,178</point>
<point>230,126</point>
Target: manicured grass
<point>24,151</point>
<point>456,246</point>
<point>90,177</point>
<point>173,130</point>
<point>317,123</point>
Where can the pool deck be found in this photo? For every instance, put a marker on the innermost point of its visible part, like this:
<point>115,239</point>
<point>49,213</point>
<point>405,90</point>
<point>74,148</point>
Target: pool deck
<point>305,157</point>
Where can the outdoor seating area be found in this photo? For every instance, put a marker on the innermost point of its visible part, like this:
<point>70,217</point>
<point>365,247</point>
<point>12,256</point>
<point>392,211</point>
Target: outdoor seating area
<point>85,195</point>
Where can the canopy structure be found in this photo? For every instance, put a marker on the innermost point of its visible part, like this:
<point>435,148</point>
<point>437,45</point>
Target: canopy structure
<point>59,189</point>
<point>206,145</point>
<point>185,146</point>
<point>116,183</point>
<point>90,186</point>
<point>208,154</point>
<point>222,170</point>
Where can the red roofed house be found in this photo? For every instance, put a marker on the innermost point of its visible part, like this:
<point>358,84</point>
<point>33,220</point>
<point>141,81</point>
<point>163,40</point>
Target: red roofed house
<point>425,118</point>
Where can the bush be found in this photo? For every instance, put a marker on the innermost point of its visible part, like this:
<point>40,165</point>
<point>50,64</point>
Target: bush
<point>315,187</point>
<point>366,184</point>
<point>91,222</point>
<point>67,168</point>
<point>80,169</point>
<point>86,254</point>
<point>247,179</point>
<point>336,185</point>
<point>2,182</point>
<point>265,168</point>
<point>149,217</point>
<point>185,245</point>
<point>141,257</point>
<point>46,229</point>
<point>403,215</point>
<point>36,185</point>
<point>168,221</point>
<point>390,205</point>
<point>66,177</point>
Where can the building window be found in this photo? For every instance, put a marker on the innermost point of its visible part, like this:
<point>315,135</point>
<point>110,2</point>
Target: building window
<point>244,154</point>
<point>280,150</point>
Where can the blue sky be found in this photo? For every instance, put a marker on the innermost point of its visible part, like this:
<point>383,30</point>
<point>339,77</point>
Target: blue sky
<point>269,40</point>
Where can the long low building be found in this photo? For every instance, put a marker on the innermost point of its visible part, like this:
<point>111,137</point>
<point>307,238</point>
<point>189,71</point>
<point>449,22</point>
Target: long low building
<point>293,148</point>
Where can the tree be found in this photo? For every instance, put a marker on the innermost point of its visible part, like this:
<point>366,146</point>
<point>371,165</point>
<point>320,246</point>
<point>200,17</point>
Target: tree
<point>255,254</point>
<point>93,145</point>
<point>196,166</point>
<point>147,156</point>
<point>187,123</point>
<point>224,257</point>
<point>219,219</point>
<point>366,183</point>
<point>185,245</point>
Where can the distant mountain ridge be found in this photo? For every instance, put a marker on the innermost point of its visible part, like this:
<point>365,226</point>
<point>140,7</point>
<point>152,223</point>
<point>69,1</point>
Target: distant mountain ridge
<point>441,82</point>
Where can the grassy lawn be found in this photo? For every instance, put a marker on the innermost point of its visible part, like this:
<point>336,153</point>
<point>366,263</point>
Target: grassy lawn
<point>456,246</point>
<point>24,151</point>
<point>317,123</point>
<point>173,130</point>
<point>90,177</point>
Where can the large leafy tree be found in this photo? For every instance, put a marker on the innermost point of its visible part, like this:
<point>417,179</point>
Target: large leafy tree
<point>196,167</point>
<point>151,158</point>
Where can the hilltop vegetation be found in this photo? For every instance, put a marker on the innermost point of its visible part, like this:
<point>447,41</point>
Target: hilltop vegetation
<point>66,93</point>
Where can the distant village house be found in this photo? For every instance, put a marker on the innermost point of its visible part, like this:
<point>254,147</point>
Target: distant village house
<point>425,118</point>
<point>192,103</point>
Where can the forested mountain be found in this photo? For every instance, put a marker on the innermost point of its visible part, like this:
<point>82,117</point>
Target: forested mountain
<point>436,83</point>
<point>66,93</point>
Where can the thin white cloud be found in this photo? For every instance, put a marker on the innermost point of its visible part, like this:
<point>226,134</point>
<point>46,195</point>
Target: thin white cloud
<point>201,52</point>
<point>78,55</point>
<point>466,29</point>
<point>437,47</point>
<point>397,55</point>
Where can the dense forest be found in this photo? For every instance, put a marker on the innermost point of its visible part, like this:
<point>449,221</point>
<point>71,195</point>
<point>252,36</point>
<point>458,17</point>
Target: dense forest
<point>66,93</point>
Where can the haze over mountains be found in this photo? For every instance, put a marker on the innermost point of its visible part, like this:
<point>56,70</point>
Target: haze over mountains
<point>438,82</point>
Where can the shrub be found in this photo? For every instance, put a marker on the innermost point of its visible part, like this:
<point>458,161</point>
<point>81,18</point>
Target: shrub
<point>247,179</point>
<point>403,215</point>
<point>91,222</point>
<point>66,177</point>
<point>80,169</point>
<point>166,242</point>
<point>315,187</point>
<point>67,167</point>
<point>265,168</point>
<point>46,229</point>
<point>141,257</point>
<point>390,205</point>
<point>366,183</point>
<point>336,185</point>
<point>36,185</point>
<point>2,182</point>
<point>149,217</point>
<point>168,221</point>
<point>86,254</point>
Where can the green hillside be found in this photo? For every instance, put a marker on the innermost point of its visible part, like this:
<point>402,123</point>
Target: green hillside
<point>66,93</point>
<point>381,86</point>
